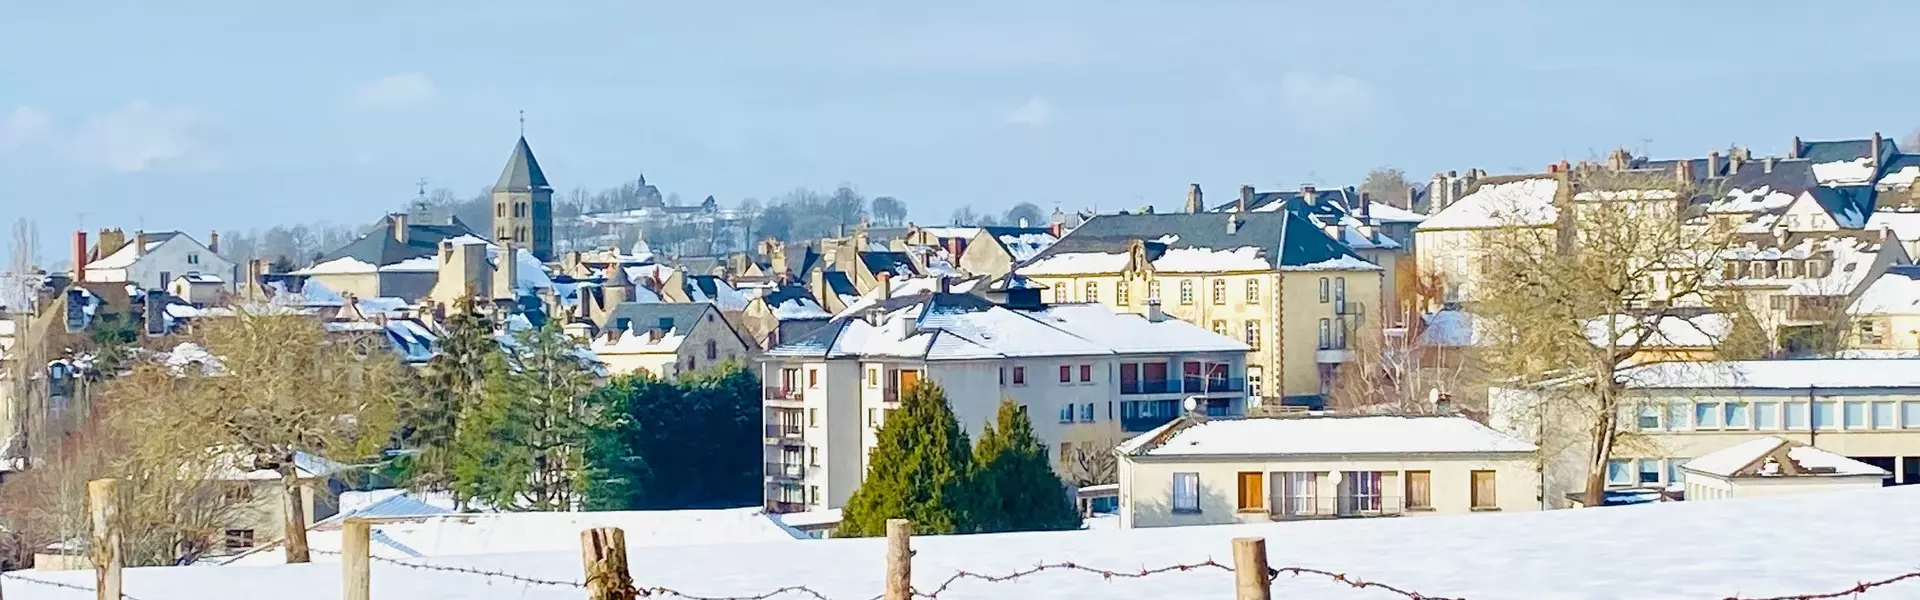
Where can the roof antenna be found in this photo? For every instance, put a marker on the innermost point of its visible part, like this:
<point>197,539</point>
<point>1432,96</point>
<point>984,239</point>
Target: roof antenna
<point>423,188</point>
<point>523,123</point>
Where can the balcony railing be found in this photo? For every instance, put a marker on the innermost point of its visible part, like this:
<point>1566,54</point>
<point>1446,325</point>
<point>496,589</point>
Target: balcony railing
<point>1322,507</point>
<point>786,470</point>
<point>1207,385</point>
<point>1149,386</point>
<point>784,431</point>
<point>781,393</point>
<point>890,395</point>
<point>776,506</point>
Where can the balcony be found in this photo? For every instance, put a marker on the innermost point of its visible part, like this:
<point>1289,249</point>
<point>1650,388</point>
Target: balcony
<point>782,395</point>
<point>1343,507</point>
<point>1214,385</point>
<point>784,434</point>
<point>1149,386</point>
<point>890,395</point>
<point>776,506</point>
<point>786,471</point>
<point>1331,356</point>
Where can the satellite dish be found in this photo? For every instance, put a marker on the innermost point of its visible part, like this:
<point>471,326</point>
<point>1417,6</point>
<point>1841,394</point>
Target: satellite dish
<point>1433,395</point>
<point>1192,403</point>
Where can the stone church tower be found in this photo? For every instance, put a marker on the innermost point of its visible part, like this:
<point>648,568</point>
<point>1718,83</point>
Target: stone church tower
<point>523,205</point>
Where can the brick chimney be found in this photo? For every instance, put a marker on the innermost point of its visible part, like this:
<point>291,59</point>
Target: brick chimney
<point>1713,164</point>
<point>79,257</point>
<point>885,279</point>
<point>213,241</point>
<point>1874,152</point>
<point>1246,198</point>
<point>1196,203</point>
<point>1058,229</point>
<point>1307,194</point>
<point>139,243</point>
<point>1794,150</point>
<point>400,232</point>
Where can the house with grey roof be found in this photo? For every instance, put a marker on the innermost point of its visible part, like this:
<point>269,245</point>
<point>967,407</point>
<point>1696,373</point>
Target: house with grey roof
<point>668,339</point>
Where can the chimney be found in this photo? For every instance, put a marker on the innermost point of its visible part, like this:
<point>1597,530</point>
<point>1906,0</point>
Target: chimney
<point>946,286</point>
<point>79,257</point>
<point>1233,223</point>
<point>1306,194</point>
<point>1713,164</point>
<point>885,284</point>
<point>213,241</point>
<point>1874,152</point>
<point>616,289</point>
<point>1794,150</point>
<point>1766,166</point>
<point>1058,229</point>
<point>506,274</point>
<point>1246,198</point>
<point>817,283</point>
<point>1735,158</point>
<point>1154,314</point>
<point>954,249</point>
<point>400,227</point>
<point>1683,170</point>
<point>139,243</point>
<point>1195,201</point>
<point>1366,206</point>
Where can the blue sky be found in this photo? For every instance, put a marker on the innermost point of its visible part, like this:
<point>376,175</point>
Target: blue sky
<point>233,114</point>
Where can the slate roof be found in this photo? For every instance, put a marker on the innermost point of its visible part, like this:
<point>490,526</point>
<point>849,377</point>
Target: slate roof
<point>897,264</point>
<point>839,283</point>
<point>1848,205</point>
<point>377,247</point>
<point>1791,176</point>
<point>522,173</point>
<point>1293,239</point>
<point>1333,202</point>
<point>962,326</point>
<point>659,316</point>
<point>1844,150</point>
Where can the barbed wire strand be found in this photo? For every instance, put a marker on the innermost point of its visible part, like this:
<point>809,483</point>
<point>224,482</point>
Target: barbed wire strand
<point>466,571</point>
<point>1857,589</point>
<point>1068,566</point>
<point>69,586</point>
<point>1356,582</point>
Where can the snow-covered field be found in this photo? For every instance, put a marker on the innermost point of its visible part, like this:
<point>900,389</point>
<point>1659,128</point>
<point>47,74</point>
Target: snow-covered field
<point>1706,549</point>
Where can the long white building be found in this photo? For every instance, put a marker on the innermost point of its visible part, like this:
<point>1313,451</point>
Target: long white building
<point>1086,375</point>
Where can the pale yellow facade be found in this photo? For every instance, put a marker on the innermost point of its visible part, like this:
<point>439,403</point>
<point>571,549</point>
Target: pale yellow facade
<point>1702,486</point>
<point>1887,332</point>
<point>258,512</point>
<point>710,343</point>
<point>1147,486</point>
<point>1278,313</point>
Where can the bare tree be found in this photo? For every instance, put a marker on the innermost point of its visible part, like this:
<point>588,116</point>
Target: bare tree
<point>1387,185</point>
<point>1614,253</point>
<point>889,211</point>
<point>1911,142</point>
<point>1093,463</point>
<point>1390,372</point>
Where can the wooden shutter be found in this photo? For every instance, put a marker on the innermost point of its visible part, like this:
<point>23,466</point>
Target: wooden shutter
<point>1419,489</point>
<point>1483,490</point>
<point>1252,493</point>
<point>908,379</point>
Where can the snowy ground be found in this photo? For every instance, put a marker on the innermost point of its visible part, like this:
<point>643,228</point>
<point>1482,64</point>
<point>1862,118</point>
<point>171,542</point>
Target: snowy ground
<point>1705,549</point>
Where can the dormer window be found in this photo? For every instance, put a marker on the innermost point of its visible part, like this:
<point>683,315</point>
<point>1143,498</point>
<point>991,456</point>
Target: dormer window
<point>1787,269</point>
<point>1816,268</point>
<point>1758,270</point>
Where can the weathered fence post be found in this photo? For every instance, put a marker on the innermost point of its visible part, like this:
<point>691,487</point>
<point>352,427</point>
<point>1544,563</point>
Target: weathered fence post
<point>103,503</point>
<point>1250,569</point>
<point>899,559</point>
<point>604,552</point>
<point>356,575</point>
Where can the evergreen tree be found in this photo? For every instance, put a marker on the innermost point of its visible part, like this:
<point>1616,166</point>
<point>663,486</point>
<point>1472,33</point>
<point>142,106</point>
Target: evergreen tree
<point>519,448</point>
<point>920,470</point>
<point>692,443</point>
<point>453,382</point>
<point>1018,490</point>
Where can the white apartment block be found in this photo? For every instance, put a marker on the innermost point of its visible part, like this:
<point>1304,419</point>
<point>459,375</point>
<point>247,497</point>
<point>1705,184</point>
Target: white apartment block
<point>1086,375</point>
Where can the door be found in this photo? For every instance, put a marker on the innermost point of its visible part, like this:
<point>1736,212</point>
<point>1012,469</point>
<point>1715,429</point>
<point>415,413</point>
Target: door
<point>908,379</point>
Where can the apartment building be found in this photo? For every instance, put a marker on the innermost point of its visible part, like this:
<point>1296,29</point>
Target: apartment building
<point>1203,471</point>
<point>1378,232</point>
<point>1085,373</point>
<point>1865,409</point>
<point>1273,280</point>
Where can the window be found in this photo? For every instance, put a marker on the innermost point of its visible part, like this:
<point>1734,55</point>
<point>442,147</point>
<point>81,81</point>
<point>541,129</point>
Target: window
<point>813,495</point>
<point>1326,290</point>
<point>1340,291</point>
<point>1253,334</point>
<point>1883,416</point>
<point>1618,472</point>
<point>1092,292</point>
<point>1086,373</point>
<point>1019,375</point>
<point>1853,415</point>
<point>1735,415</point>
<point>1066,413</point>
<point>1910,415</point>
<point>1120,293</point>
<point>1059,293</point>
<point>873,417</point>
<point>1253,383</point>
<point>1706,415</point>
<point>1787,268</point>
<point>1419,490</point>
<point>1649,470</point>
<point>813,378</point>
<point>1870,333</point>
<point>1326,334</point>
<point>238,493</point>
<point>500,210</point>
<point>1823,414</point>
<point>1677,416</point>
<point>1766,415</point>
<point>1340,332</point>
<point>1300,493</point>
<point>1086,413</point>
<point>1483,492</point>
<point>1363,490</point>
<point>1153,290</point>
<point>1253,291</point>
<point>239,538</point>
<point>1066,373</point>
<point>713,350</point>
<point>1673,469</point>
<point>1759,269</point>
<point>1186,291</point>
<point>193,258</point>
<point>813,417</point>
<point>1219,291</point>
<point>1649,417</point>
<point>813,455</point>
<point>1796,415</point>
<point>1066,452</point>
<point>1252,492</point>
<point>1816,268</point>
<point>873,377</point>
<point>1186,492</point>
<point>1220,327</point>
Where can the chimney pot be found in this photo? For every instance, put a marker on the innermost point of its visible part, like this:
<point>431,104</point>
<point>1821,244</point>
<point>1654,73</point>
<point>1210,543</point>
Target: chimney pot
<point>213,241</point>
<point>1307,194</point>
<point>1246,198</point>
<point>400,232</point>
<point>1766,166</point>
<point>1713,164</point>
<point>1874,152</point>
<point>1154,313</point>
<point>1794,150</point>
<point>1195,201</point>
<point>885,280</point>
<point>79,257</point>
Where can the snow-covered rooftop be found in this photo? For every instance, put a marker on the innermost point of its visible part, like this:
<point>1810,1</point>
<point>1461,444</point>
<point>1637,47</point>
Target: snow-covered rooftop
<point>1297,436</point>
<point>1749,459</point>
<point>1761,199</point>
<point>960,327</point>
<point>1671,331</point>
<point>1904,223</point>
<point>1844,172</point>
<point>1697,550</point>
<point>1527,202</point>
<point>1896,292</point>
<point>614,341</point>
<point>1777,374</point>
<point>1847,262</point>
<point>342,265</point>
<point>1452,328</point>
<point>1387,213</point>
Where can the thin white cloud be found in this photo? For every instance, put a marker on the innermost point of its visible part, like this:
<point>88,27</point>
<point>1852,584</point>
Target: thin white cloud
<point>395,92</point>
<point>1036,112</point>
<point>133,138</point>
<point>1326,103</point>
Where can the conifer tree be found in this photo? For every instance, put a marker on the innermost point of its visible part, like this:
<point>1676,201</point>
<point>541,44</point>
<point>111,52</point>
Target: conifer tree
<point>520,447</point>
<point>453,382</point>
<point>1017,489</point>
<point>920,470</point>
<point>690,443</point>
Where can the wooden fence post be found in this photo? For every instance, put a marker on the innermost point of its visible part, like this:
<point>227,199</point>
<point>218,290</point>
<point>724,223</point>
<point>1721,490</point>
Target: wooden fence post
<point>604,552</point>
<point>103,503</point>
<point>899,559</point>
<point>356,575</point>
<point>1250,569</point>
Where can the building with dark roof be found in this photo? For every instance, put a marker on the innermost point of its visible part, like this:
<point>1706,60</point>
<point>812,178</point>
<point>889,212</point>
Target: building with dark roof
<point>668,339</point>
<point>523,204</point>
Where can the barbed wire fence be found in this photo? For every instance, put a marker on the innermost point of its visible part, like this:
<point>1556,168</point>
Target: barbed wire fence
<point>1253,577</point>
